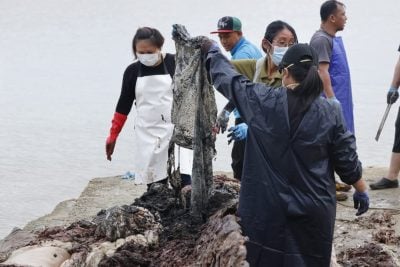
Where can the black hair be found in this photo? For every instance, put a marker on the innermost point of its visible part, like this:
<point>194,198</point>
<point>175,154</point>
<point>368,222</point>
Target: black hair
<point>275,27</point>
<point>306,73</point>
<point>328,8</point>
<point>150,34</point>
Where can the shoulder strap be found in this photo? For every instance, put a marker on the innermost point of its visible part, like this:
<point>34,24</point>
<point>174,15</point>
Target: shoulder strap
<point>169,68</point>
<point>259,65</point>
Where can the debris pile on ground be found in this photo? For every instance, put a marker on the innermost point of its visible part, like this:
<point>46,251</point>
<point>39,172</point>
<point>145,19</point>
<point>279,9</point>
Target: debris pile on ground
<point>155,230</point>
<point>369,240</point>
<point>368,255</point>
<point>184,241</point>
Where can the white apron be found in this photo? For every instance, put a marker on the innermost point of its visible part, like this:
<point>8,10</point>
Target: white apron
<point>153,127</point>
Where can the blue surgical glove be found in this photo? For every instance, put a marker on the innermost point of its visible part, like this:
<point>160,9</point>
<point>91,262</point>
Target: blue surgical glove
<point>128,175</point>
<point>392,95</point>
<point>236,113</point>
<point>361,202</point>
<point>238,132</point>
<point>334,100</point>
<point>222,120</point>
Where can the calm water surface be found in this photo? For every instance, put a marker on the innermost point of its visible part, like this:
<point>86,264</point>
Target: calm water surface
<point>61,65</point>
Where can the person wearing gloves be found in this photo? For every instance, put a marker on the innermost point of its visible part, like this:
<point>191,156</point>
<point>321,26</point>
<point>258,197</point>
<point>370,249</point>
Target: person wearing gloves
<point>278,36</point>
<point>333,65</point>
<point>391,179</point>
<point>231,37</point>
<point>147,82</point>
<point>296,140</point>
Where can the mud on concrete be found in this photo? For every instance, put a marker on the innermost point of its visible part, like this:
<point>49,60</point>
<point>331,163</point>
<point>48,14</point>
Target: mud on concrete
<point>372,239</point>
<point>184,240</point>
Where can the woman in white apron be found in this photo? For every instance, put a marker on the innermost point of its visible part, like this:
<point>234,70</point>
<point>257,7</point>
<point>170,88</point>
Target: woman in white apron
<point>148,83</point>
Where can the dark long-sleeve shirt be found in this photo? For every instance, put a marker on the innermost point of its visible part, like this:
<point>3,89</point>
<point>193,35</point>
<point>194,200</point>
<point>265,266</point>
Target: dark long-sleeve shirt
<point>136,70</point>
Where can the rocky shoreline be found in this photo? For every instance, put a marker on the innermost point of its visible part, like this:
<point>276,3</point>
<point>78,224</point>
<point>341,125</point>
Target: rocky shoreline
<point>370,240</point>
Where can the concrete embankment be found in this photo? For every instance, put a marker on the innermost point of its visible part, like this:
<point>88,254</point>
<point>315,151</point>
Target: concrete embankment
<point>356,239</point>
<point>100,193</point>
<point>103,193</point>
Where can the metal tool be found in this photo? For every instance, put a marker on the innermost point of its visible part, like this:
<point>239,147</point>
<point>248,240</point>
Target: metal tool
<point>383,122</point>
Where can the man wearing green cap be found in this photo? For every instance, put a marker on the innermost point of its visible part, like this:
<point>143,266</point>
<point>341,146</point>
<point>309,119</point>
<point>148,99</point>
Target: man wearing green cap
<point>231,38</point>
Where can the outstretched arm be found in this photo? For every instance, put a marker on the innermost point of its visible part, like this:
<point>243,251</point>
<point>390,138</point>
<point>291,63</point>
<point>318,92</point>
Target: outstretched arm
<point>234,86</point>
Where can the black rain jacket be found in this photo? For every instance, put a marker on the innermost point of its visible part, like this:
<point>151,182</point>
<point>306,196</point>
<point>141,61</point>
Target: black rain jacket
<point>287,200</point>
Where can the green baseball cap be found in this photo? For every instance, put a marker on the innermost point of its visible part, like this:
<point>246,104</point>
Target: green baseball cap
<point>228,24</point>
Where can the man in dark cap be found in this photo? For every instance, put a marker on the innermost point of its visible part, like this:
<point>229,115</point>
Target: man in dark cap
<point>231,37</point>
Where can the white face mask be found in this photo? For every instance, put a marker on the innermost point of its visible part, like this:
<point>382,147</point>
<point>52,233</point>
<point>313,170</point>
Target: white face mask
<point>278,54</point>
<point>148,59</point>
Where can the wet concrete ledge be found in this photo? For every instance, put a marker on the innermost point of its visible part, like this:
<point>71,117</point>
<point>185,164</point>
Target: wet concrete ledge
<point>350,231</point>
<point>106,192</point>
<point>100,193</point>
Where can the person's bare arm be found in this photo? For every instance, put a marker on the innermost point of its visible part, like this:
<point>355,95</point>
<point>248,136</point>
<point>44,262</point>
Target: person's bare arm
<point>396,76</point>
<point>326,79</point>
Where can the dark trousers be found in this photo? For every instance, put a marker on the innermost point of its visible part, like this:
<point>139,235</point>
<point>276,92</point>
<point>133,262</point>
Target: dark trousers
<point>238,155</point>
<point>396,144</point>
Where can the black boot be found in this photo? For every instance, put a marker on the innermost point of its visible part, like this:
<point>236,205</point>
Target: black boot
<point>384,183</point>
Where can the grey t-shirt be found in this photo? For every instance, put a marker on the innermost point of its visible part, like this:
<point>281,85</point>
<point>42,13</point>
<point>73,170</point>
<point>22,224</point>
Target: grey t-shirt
<point>322,43</point>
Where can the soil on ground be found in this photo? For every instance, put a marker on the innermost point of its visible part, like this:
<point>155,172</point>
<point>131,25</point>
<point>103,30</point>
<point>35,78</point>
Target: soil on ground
<point>181,232</point>
<point>372,239</point>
